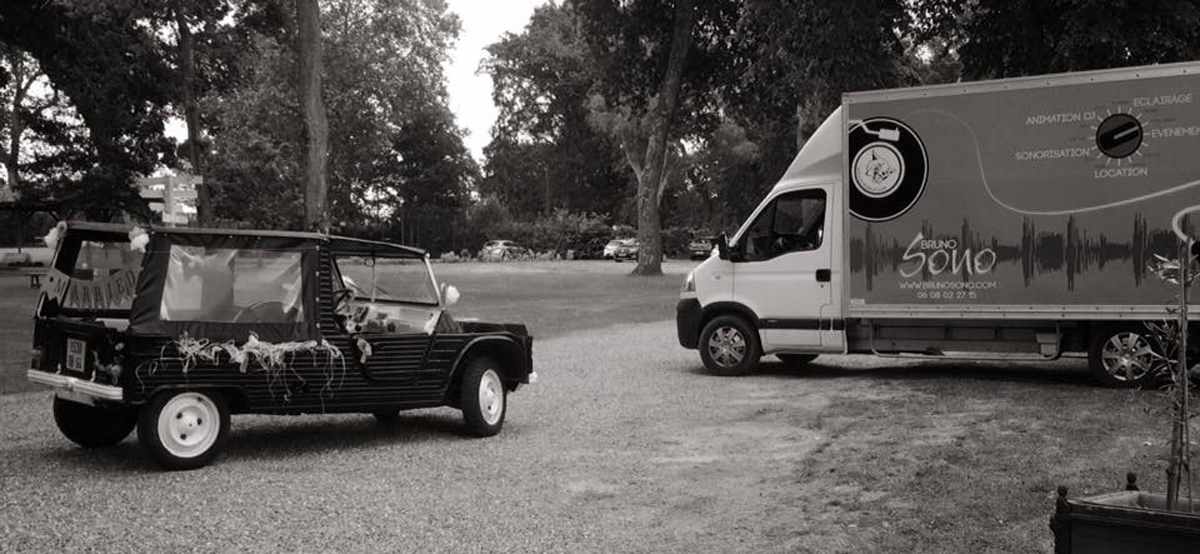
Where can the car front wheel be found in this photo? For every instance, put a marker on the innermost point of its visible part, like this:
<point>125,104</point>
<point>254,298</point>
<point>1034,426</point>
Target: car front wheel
<point>729,346</point>
<point>92,426</point>
<point>184,429</point>
<point>484,399</point>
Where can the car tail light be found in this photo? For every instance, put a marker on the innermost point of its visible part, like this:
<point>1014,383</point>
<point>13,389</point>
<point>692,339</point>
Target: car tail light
<point>35,358</point>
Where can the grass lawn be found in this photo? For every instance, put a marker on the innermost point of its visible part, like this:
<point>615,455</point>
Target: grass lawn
<point>17,301</point>
<point>552,298</point>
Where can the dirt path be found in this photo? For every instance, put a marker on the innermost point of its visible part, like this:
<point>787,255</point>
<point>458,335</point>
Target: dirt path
<point>625,446</point>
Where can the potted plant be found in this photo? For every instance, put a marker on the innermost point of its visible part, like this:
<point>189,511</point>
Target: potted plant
<point>1132,520</point>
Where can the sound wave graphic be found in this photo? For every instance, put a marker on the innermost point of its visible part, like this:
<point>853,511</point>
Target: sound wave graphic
<point>1041,253</point>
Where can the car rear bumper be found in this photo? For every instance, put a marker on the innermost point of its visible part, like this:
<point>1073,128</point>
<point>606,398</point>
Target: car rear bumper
<point>687,322</point>
<point>75,386</point>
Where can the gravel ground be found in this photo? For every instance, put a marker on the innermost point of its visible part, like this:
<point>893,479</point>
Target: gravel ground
<point>624,447</point>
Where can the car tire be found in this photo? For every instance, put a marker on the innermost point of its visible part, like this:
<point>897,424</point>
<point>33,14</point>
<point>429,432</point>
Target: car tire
<point>796,361</point>
<point>184,429</point>
<point>1121,356</point>
<point>93,426</point>
<point>729,346</point>
<point>484,399</point>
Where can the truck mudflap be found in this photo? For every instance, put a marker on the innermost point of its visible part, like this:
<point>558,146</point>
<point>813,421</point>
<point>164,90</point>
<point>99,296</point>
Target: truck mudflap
<point>687,322</point>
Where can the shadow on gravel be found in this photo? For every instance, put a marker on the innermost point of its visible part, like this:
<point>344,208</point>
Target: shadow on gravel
<point>968,371</point>
<point>275,438</point>
<point>281,437</point>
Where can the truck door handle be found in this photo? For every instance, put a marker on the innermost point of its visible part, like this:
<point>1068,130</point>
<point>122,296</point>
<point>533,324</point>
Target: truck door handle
<point>824,275</point>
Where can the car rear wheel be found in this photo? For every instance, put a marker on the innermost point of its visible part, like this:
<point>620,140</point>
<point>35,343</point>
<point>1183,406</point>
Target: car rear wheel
<point>729,346</point>
<point>1122,356</point>
<point>93,426</point>
<point>796,361</point>
<point>184,429</point>
<point>484,398</point>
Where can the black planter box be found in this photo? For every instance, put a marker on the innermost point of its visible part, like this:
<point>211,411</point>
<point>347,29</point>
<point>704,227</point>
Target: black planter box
<point>1123,522</point>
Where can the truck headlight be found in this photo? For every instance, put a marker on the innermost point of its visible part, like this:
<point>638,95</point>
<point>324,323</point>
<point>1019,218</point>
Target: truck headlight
<point>689,282</point>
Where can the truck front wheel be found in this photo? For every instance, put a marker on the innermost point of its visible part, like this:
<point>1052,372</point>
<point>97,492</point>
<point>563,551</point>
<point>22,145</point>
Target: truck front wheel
<point>729,346</point>
<point>92,426</point>
<point>1122,356</point>
<point>184,429</point>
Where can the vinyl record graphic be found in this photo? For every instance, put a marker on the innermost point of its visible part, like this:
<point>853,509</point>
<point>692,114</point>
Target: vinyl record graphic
<point>888,168</point>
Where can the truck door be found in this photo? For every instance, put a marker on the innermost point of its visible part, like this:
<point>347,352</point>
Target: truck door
<point>785,271</point>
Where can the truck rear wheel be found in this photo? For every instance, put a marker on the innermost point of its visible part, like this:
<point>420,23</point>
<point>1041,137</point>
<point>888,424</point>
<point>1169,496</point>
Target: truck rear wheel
<point>92,426</point>
<point>484,399</point>
<point>1122,356</point>
<point>184,429</point>
<point>729,346</point>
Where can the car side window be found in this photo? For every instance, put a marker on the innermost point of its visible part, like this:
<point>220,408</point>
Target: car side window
<point>793,222</point>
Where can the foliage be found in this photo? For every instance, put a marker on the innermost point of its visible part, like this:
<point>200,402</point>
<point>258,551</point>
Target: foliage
<point>1007,38</point>
<point>394,146</point>
<point>544,155</point>
<point>112,71</point>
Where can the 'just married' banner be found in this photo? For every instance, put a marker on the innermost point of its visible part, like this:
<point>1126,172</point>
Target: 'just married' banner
<point>113,291</point>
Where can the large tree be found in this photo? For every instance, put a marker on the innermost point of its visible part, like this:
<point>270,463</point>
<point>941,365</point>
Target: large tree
<point>660,67</point>
<point>394,148</point>
<point>112,71</point>
<point>544,154</point>
<point>312,110</point>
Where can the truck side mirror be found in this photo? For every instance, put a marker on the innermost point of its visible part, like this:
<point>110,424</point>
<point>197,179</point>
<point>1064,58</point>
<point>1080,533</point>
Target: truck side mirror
<point>722,246</point>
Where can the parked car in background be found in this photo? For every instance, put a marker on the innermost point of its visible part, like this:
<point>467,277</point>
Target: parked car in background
<point>627,250</point>
<point>700,248</point>
<point>502,250</point>
<point>610,249</point>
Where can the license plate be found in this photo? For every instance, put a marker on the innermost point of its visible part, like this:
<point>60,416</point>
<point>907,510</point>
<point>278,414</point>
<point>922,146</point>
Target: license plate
<point>76,355</point>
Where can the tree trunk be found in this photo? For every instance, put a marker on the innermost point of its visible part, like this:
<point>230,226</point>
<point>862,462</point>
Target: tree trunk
<point>650,251</point>
<point>312,106</point>
<point>16,127</point>
<point>191,110</point>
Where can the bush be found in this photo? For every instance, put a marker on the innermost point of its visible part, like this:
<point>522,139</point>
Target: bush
<point>585,234</point>
<point>675,241</point>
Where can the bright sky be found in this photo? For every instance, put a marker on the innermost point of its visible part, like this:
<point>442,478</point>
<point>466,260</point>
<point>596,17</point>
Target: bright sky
<point>483,22</point>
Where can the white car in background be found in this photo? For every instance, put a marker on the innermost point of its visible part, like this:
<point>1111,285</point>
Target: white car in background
<point>610,249</point>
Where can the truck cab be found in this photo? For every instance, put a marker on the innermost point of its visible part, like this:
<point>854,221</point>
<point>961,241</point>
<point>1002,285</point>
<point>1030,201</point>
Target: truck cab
<point>775,286</point>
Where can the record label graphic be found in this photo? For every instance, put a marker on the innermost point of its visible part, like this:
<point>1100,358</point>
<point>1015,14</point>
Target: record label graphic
<point>888,167</point>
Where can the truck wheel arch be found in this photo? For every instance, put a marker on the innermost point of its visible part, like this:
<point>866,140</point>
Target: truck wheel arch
<point>728,308</point>
<point>717,309</point>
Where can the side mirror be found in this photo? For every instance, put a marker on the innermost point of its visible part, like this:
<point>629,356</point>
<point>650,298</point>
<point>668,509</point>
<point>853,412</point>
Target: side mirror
<point>722,247</point>
<point>449,295</point>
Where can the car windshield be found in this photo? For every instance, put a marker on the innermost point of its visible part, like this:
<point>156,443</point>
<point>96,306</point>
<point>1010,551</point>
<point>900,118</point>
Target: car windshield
<point>388,280</point>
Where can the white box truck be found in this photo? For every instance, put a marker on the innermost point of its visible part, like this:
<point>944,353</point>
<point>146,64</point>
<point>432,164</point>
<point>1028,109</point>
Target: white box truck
<point>1003,219</point>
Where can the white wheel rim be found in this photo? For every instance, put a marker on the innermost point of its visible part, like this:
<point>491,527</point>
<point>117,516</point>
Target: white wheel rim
<point>188,425</point>
<point>727,346</point>
<point>1127,356</point>
<point>491,397</point>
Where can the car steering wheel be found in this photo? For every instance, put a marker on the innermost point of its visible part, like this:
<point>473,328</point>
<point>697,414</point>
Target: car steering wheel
<point>255,311</point>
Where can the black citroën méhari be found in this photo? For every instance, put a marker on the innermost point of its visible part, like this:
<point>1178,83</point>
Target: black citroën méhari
<point>172,330</point>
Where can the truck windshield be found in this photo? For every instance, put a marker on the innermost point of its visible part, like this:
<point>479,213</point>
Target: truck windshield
<point>388,280</point>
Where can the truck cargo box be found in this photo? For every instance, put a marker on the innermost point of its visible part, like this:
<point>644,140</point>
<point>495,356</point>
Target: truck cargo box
<point>1036,197</point>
